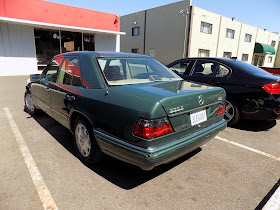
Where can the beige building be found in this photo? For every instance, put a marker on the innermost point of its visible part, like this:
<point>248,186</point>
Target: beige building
<point>179,30</point>
<point>218,36</point>
<point>277,59</point>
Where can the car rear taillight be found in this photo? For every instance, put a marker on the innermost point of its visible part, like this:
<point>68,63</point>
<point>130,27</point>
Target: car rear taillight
<point>273,88</point>
<point>221,110</point>
<point>152,128</point>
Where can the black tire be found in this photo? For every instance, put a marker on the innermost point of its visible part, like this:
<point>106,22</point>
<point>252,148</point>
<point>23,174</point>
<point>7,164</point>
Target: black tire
<point>232,112</point>
<point>29,105</point>
<point>85,143</point>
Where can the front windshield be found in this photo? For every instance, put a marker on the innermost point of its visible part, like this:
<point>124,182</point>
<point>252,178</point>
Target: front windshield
<point>124,71</point>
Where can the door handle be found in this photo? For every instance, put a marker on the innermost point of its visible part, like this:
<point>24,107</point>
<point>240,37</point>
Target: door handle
<point>70,98</point>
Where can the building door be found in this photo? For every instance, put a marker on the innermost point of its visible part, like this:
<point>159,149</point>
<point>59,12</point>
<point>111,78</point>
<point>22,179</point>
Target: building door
<point>261,60</point>
<point>256,59</point>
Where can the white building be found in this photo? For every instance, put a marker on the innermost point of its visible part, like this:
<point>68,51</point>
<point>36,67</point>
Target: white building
<point>30,38</point>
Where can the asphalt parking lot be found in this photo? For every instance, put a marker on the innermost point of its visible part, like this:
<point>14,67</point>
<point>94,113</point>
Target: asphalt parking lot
<point>239,169</point>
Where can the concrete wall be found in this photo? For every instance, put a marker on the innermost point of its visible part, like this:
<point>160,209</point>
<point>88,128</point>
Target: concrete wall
<point>277,59</point>
<point>273,37</point>
<point>165,31</point>
<point>226,44</point>
<point>200,40</point>
<point>17,49</point>
<point>246,47</point>
<point>128,41</point>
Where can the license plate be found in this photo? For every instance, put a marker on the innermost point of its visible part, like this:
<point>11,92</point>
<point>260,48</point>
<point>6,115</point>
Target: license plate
<point>198,117</point>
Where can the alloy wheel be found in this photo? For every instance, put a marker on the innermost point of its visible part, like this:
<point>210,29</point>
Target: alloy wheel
<point>29,102</point>
<point>229,112</point>
<point>82,140</point>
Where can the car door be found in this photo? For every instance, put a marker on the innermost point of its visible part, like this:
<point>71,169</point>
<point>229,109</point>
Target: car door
<point>202,71</point>
<point>66,89</point>
<point>41,90</point>
<point>223,78</point>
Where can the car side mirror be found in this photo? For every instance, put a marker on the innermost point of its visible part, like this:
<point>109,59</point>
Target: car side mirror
<point>35,77</point>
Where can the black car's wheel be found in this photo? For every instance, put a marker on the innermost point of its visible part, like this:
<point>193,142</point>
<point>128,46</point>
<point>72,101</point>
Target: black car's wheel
<point>29,103</point>
<point>85,143</point>
<point>232,113</point>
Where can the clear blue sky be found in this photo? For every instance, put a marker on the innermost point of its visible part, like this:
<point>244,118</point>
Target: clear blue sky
<point>263,14</point>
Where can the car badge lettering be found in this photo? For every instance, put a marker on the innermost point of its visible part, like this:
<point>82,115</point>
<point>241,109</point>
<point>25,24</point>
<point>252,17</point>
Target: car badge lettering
<point>176,109</point>
<point>200,100</point>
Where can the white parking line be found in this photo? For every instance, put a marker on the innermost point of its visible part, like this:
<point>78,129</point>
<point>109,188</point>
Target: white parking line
<point>43,192</point>
<point>249,148</point>
<point>274,202</point>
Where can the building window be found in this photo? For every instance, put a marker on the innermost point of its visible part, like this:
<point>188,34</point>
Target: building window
<point>203,53</point>
<point>89,43</point>
<point>248,37</point>
<point>71,41</point>
<point>206,28</point>
<point>230,33</point>
<point>273,43</point>
<point>135,31</point>
<point>47,46</point>
<point>245,57</point>
<point>227,54</point>
<point>269,59</point>
<point>135,50</point>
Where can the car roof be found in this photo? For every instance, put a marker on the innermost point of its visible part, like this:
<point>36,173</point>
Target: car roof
<point>222,60</point>
<point>106,54</point>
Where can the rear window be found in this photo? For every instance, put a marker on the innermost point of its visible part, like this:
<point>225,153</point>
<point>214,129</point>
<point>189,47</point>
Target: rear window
<point>250,68</point>
<point>124,71</point>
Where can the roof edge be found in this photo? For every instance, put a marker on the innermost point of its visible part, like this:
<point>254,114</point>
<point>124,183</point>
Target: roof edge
<point>59,27</point>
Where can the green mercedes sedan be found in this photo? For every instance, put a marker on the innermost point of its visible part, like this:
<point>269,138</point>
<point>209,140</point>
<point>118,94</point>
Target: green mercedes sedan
<point>128,106</point>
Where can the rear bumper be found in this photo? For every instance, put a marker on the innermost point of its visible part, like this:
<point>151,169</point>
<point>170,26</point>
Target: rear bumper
<point>148,158</point>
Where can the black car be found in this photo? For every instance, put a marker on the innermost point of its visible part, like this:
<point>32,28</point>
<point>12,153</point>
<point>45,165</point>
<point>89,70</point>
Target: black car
<point>252,93</point>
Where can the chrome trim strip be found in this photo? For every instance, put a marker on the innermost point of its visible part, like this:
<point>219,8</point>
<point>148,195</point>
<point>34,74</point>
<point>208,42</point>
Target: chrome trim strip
<point>191,110</point>
<point>161,147</point>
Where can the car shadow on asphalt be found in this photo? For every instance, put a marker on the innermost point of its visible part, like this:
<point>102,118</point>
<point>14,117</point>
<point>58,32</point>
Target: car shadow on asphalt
<point>255,125</point>
<point>124,175</point>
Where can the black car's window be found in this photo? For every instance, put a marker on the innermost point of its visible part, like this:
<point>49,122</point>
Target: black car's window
<point>249,68</point>
<point>180,67</point>
<point>204,68</point>
<point>50,72</point>
<point>222,71</point>
<point>67,71</point>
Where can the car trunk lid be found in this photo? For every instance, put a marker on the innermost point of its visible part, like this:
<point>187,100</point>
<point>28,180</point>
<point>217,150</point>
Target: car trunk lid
<point>183,101</point>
